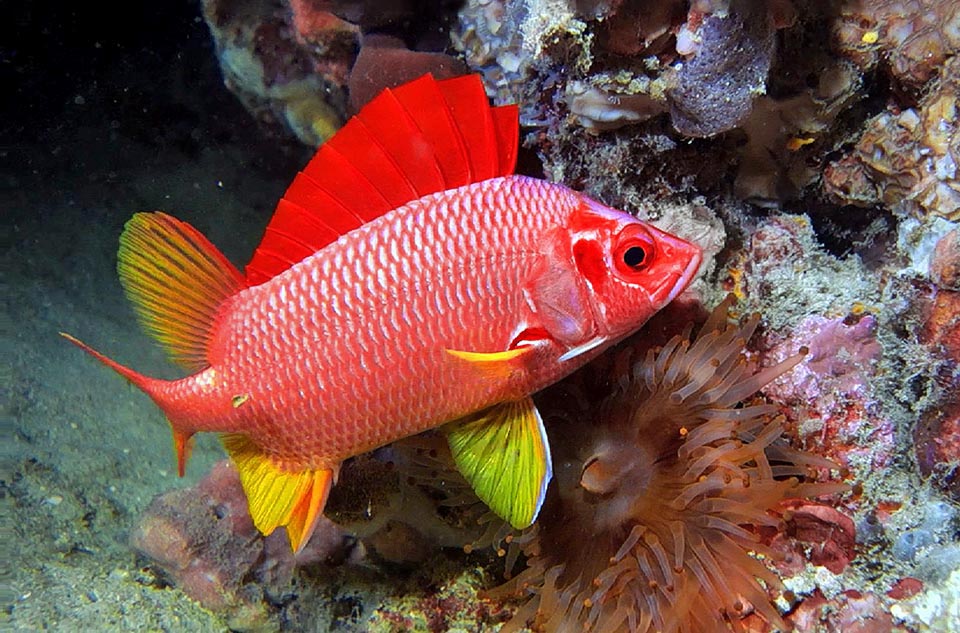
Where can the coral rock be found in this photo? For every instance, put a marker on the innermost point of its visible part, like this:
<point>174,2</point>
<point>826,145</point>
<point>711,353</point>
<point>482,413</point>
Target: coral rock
<point>850,611</point>
<point>945,263</point>
<point>907,160</point>
<point>832,534</point>
<point>316,26</point>
<point>598,109</point>
<point>714,91</point>
<point>905,588</point>
<point>203,540</point>
<point>641,28</point>
<point>782,134</point>
<point>941,310</point>
<point>490,34</point>
<point>942,325</point>
<point>937,440</point>
<point>386,62</point>
<point>367,14</point>
<point>915,37</point>
<point>288,70</point>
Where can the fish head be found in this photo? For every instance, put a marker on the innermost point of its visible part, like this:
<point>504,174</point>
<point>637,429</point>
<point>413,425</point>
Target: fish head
<point>632,268</point>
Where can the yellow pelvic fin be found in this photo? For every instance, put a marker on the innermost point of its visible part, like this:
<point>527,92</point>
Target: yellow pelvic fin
<point>276,496</point>
<point>177,280</point>
<point>504,453</point>
<point>497,365</point>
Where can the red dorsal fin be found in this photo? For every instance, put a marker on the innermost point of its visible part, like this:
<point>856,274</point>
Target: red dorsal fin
<point>414,140</point>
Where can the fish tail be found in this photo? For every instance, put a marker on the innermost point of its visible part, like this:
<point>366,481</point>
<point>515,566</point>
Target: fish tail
<point>177,281</point>
<point>154,388</point>
<point>138,379</point>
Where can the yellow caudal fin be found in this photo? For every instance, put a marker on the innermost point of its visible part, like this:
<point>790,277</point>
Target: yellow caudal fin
<point>177,280</point>
<point>277,497</point>
<point>504,453</point>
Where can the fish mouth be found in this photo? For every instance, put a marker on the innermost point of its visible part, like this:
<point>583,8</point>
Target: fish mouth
<point>686,276</point>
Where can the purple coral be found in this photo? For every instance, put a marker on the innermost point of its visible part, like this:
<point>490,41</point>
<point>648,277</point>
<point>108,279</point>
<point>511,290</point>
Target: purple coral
<point>714,91</point>
<point>830,397</point>
<point>843,353</point>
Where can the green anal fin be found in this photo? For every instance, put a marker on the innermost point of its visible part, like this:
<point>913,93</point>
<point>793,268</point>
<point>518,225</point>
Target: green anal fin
<point>504,453</point>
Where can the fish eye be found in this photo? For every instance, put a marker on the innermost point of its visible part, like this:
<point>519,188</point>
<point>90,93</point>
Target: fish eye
<point>634,256</point>
<point>634,250</point>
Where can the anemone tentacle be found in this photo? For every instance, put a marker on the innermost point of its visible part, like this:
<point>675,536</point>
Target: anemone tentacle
<point>660,532</point>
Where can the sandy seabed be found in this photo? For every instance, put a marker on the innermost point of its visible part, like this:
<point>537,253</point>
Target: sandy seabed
<point>83,451</point>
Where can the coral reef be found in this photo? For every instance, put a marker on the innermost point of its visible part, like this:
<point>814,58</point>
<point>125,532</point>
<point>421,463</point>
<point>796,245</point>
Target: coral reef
<point>202,540</point>
<point>779,114</point>
<point>305,65</point>
<point>287,70</point>
<point>714,91</point>
<point>873,396</point>
<point>663,487</point>
<point>910,38</point>
<point>907,159</point>
<point>743,73</point>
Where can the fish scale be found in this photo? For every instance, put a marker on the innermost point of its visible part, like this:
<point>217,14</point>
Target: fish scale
<point>342,424</point>
<point>407,281</point>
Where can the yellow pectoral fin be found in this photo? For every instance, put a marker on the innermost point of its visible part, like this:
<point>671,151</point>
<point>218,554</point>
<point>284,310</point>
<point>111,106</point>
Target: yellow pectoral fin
<point>496,365</point>
<point>278,497</point>
<point>504,453</point>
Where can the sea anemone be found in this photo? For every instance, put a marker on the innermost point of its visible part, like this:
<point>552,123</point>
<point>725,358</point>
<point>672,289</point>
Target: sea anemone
<point>662,486</point>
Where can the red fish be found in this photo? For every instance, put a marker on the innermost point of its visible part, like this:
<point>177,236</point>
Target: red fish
<point>407,281</point>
